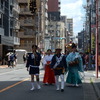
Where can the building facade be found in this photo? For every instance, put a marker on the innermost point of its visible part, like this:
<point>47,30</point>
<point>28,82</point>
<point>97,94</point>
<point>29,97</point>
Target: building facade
<point>56,35</point>
<point>7,26</point>
<point>70,26</point>
<point>44,25</point>
<point>90,26</point>
<point>54,10</point>
<point>28,27</point>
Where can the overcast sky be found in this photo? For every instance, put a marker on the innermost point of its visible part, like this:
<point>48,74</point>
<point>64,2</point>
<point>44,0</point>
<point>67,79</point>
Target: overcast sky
<point>74,9</point>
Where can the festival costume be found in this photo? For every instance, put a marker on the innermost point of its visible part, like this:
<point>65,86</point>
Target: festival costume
<point>58,63</point>
<point>75,65</point>
<point>49,73</point>
<point>33,63</point>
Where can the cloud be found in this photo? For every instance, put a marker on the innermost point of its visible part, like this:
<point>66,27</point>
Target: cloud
<point>73,9</point>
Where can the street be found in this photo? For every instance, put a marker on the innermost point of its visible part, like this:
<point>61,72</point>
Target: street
<point>15,85</point>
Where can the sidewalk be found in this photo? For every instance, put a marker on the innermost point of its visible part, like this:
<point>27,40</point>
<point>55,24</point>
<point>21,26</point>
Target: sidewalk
<point>89,93</point>
<point>3,66</point>
<point>96,85</point>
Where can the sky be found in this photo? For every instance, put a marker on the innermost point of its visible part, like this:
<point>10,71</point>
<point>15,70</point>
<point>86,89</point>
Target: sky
<point>74,9</point>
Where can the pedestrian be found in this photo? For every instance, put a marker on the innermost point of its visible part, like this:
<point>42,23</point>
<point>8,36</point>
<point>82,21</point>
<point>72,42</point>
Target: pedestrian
<point>25,57</point>
<point>83,59</point>
<point>58,64</point>
<point>49,77</point>
<point>93,61</point>
<point>12,59</point>
<point>15,58</point>
<point>33,63</point>
<point>86,61</point>
<point>74,63</point>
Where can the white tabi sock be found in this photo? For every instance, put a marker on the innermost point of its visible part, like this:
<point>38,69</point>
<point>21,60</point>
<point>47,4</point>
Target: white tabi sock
<point>38,85</point>
<point>32,83</point>
<point>57,82</point>
<point>62,81</point>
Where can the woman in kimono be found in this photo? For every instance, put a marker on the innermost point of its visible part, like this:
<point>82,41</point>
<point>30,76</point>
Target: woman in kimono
<point>49,73</point>
<point>74,63</point>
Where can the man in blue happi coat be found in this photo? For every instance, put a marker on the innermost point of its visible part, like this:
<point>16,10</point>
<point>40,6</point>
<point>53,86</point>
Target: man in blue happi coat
<point>58,64</point>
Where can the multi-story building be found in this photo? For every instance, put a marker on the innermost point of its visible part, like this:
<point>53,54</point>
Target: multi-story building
<point>44,24</point>
<point>54,10</point>
<point>28,27</point>
<point>80,37</point>
<point>16,23</point>
<point>7,29</point>
<point>53,20</point>
<point>57,37</point>
<point>90,26</point>
<point>64,19</point>
<point>70,26</point>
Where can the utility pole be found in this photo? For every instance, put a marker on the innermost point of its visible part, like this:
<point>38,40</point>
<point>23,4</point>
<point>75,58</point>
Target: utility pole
<point>90,36</point>
<point>97,35</point>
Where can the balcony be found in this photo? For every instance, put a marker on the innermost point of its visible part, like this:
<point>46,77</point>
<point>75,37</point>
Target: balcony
<point>46,15</point>
<point>2,31</point>
<point>46,6</point>
<point>12,3</point>
<point>11,14</point>
<point>17,25</point>
<point>25,11</point>
<point>27,22</point>
<point>16,8</point>
<point>22,1</point>
<point>16,41</point>
<point>1,10</point>
<point>26,34</point>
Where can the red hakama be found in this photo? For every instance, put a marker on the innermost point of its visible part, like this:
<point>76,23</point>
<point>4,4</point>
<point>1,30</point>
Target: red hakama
<point>49,76</point>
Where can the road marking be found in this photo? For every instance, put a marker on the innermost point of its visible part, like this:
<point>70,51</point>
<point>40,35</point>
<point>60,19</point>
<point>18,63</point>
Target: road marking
<point>14,85</point>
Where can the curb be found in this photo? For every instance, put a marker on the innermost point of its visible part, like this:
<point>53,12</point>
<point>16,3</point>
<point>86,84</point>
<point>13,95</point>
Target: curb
<point>97,91</point>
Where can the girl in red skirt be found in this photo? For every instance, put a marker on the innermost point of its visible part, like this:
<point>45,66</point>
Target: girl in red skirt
<point>49,77</point>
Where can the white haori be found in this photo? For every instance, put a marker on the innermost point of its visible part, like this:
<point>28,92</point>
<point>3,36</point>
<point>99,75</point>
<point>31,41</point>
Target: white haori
<point>47,58</point>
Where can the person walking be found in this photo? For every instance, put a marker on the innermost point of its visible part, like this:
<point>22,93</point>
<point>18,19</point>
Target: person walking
<point>33,62</point>
<point>15,58</point>
<point>25,57</point>
<point>74,63</point>
<point>86,61</point>
<point>58,64</point>
<point>49,74</point>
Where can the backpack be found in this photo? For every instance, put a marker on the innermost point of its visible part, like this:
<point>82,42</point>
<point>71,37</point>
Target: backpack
<point>12,57</point>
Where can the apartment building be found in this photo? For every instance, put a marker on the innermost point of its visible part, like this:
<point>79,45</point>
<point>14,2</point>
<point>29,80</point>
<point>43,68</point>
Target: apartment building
<point>70,26</point>
<point>28,27</point>
<point>44,25</point>
<point>54,10</point>
<point>57,37</point>
<point>67,36</point>
<point>7,26</point>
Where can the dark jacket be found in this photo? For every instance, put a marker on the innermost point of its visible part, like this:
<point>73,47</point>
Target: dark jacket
<point>33,61</point>
<point>62,64</point>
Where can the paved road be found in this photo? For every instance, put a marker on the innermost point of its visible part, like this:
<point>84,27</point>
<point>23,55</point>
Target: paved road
<point>15,85</point>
